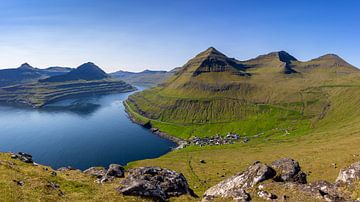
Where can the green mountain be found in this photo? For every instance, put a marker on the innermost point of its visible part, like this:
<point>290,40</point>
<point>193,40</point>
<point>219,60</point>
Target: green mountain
<point>213,93</point>
<point>144,78</point>
<point>88,71</point>
<point>27,73</point>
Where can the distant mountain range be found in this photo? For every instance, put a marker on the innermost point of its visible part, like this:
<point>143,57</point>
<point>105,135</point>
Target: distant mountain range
<point>28,88</point>
<point>27,73</point>
<point>144,78</point>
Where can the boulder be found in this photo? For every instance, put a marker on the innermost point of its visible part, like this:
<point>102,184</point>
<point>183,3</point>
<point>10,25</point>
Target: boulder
<point>349,174</point>
<point>235,187</point>
<point>114,171</point>
<point>288,170</point>
<point>24,157</point>
<point>154,182</point>
<point>98,172</point>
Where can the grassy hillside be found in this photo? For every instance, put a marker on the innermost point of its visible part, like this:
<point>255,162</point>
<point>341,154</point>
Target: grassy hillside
<point>262,97</point>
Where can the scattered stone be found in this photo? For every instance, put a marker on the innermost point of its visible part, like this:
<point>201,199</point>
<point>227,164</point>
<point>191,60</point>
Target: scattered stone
<point>53,173</point>
<point>154,182</point>
<point>288,170</point>
<point>98,172</point>
<point>266,195</point>
<point>202,161</point>
<point>24,157</point>
<point>234,187</point>
<point>349,174</point>
<point>53,185</point>
<point>19,182</point>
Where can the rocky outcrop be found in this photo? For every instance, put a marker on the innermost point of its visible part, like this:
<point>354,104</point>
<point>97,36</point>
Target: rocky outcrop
<point>154,182</point>
<point>24,157</point>
<point>235,187</point>
<point>285,174</point>
<point>288,170</point>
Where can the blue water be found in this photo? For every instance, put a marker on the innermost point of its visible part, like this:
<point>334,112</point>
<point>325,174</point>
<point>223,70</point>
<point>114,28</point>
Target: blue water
<point>81,133</point>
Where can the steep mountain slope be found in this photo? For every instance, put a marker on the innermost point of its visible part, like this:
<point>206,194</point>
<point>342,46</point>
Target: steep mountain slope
<point>144,78</point>
<point>216,94</point>
<point>88,71</point>
<point>27,73</point>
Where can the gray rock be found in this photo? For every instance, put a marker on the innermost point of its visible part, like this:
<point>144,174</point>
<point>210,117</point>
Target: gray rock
<point>115,170</point>
<point>349,174</point>
<point>154,182</point>
<point>266,195</point>
<point>24,157</point>
<point>98,172</point>
<point>288,170</point>
<point>235,186</point>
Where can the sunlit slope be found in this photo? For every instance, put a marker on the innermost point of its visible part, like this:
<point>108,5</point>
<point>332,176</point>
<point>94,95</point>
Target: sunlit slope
<point>215,94</point>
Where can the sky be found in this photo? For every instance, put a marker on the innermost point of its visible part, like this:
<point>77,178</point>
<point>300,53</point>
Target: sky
<point>134,35</point>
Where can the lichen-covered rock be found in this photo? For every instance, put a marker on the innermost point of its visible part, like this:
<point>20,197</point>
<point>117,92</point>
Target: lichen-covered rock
<point>235,186</point>
<point>98,172</point>
<point>288,170</point>
<point>154,182</point>
<point>349,174</point>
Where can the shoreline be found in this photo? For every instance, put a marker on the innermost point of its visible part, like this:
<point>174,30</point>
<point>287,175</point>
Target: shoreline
<point>179,142</point>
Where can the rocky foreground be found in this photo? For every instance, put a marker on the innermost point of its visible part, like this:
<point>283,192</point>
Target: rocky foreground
<point>279,181</point>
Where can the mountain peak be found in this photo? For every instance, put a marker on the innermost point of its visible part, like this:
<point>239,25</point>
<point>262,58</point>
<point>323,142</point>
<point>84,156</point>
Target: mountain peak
<point>87,71</point>
<point>26,66</point>
<point>330,56</point>
<point>211,51</point>
<point>212,60</point>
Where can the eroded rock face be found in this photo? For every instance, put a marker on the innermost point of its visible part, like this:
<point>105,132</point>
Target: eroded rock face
<point>235,187</point>
<point>154,182</point>
<point>288,170</point>
<point>349,174</point>
<point>24,157</point>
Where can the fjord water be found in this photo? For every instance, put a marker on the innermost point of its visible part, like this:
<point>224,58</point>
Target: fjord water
<point>92,131</point>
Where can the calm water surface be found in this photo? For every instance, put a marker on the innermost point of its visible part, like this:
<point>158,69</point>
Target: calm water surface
<point>80,133</point>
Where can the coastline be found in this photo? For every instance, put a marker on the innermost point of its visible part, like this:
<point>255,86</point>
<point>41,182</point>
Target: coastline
<point>179,142</point>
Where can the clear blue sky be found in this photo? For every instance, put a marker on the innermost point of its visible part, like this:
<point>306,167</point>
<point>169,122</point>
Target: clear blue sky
<point>135,35</point>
